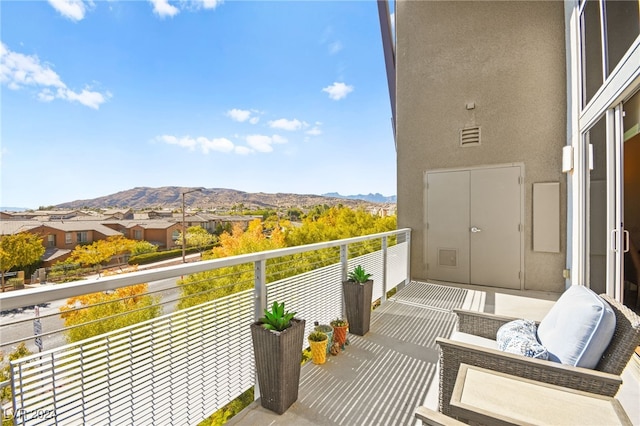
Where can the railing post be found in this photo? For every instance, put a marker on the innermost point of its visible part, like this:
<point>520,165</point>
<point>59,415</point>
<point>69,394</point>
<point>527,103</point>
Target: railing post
<point>408,240</point>
<point>344,266</point>
<point>259,305</point>
<point>383,298</point>
<point>260,291</point>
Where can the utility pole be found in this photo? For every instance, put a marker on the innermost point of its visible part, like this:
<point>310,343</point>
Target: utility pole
<point>184,228</point>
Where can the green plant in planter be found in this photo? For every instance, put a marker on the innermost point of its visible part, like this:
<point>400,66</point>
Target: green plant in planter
<point>317,336</point>
<point>358,292</point>
<point>358,275</point>
<point>339,322</point>
<point>277,319</point>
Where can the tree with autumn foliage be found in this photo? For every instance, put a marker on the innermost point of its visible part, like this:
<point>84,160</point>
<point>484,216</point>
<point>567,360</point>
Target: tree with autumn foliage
<point>205,286</point>
<point>97,313</point>
<point>5,376</point>
<point>336,223</point>
<point>16,250</point>
<point>101,252</point>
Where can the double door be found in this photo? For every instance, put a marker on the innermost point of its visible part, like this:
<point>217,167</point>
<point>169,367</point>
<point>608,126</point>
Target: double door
<point>474,226</point>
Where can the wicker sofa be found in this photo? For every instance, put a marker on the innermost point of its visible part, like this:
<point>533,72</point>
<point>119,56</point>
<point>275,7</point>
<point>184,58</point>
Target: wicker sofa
<point>603,380</point>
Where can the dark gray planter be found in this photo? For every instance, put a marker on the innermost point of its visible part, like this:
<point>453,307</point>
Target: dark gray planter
<point>357,300</point>
<point>278,356</point>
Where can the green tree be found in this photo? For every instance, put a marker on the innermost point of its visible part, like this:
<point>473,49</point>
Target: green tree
<point>16,250</point>
<point>142,247</point>
<point>97,313</point>
<point>198,237</point>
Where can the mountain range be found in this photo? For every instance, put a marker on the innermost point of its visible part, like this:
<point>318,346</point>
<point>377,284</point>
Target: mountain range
<point>218,198</point>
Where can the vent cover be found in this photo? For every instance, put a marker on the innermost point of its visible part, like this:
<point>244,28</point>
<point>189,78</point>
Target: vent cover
<point>470,136</point>
<point>448,257</point>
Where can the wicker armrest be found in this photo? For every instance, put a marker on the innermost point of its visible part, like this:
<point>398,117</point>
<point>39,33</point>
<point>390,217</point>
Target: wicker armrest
<point>480,323</point>
<point>454,353</point>
<point>434,418</point>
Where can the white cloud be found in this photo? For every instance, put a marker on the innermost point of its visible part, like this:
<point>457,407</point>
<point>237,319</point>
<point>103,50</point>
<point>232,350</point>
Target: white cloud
<point>243,150</point>
<point>239,115</point>
<point>206,145</point>
<point>162,8</point>
<point>263,143</point>
<point>314,131</point>
<point>86,97</point>
<point>185,142</point>
<point>285,124</point>
<point>209,4</point>
<point>216,144</point>
<point>338,91</point>
<point>335,47</point>
<point>260,143</point>
<point>72,9</point>
<point>242,115</point>
<point>18,71</point>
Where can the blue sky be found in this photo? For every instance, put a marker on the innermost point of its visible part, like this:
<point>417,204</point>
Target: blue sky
<point>259,96</point>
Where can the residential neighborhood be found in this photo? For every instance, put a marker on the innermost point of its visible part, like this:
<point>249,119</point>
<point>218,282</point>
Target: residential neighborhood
<point>63,230</point>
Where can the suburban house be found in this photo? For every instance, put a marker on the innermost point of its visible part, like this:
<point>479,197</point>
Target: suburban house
<point>61,237</point>
<point>519,124</point>
<point>161,233</point>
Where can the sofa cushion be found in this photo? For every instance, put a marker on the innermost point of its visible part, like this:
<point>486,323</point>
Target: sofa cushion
<point>578,328</point>
<point>519,337</point>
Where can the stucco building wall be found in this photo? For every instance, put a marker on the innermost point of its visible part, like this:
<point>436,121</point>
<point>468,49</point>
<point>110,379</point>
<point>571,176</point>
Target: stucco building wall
<point>508,58</point>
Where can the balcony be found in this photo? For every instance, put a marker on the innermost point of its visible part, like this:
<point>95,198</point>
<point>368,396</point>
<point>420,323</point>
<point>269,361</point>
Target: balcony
<point>180,367</point>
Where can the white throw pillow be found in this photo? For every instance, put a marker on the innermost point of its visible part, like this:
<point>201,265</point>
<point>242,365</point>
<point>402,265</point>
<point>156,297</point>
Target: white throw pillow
<point>519,337</point>
<point>578,328</point>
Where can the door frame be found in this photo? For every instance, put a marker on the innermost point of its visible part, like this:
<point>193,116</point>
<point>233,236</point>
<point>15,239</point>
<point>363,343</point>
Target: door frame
<point>521,165</point>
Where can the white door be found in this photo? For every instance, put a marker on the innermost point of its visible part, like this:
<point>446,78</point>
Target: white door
<point>473,231</point>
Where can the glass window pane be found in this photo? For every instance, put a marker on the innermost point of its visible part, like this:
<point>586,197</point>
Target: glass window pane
<point>623,27</point>
<point>591,50</point>
<point>597,206</point>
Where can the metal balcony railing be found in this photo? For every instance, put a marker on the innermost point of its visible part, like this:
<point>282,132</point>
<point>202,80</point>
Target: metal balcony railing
<point>185,364</point>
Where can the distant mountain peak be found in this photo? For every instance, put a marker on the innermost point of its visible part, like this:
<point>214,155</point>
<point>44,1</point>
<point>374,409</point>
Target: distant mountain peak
<point>211,198</point>
<point>372,198</point>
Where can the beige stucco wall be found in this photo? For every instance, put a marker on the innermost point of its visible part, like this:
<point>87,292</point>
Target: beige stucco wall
<point>509,59</point>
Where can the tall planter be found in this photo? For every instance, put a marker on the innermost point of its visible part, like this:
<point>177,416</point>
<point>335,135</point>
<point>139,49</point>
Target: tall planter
<point>357,300</point>
<point>278,356</point>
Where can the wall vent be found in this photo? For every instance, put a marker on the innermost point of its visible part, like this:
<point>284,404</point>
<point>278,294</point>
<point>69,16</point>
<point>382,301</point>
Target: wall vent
<point>470,136</point>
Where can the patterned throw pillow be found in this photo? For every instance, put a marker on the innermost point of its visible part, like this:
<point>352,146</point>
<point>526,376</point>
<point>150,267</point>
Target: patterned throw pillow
<point>519,337</point>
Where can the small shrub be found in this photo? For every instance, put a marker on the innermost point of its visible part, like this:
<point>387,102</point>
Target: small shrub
<point>277,319</point>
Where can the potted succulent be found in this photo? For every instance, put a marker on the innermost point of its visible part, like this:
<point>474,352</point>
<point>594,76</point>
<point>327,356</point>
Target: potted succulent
<point>340,327</point>
<point>318,342</point>
<point>358,290</point>
<point>326,329</point>
<point>277,349</point>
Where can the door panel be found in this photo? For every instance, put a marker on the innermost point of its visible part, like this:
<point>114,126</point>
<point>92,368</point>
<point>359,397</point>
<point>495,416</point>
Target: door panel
<point>495,212</point>
<point>448,226</point>
<point>473,226</point>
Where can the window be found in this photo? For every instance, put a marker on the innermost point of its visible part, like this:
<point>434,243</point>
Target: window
<point>137,234</point>
<point>591,51</point>
<point>623,27</point>
<point>51,240</point>
<point>82,237</point>
<point>68,238</point>
<point>608,29</point>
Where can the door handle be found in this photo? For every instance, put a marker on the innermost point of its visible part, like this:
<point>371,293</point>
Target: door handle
<point>475,229</point>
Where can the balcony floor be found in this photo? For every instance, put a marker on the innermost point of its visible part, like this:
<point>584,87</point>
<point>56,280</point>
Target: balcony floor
<point>381,378</point>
